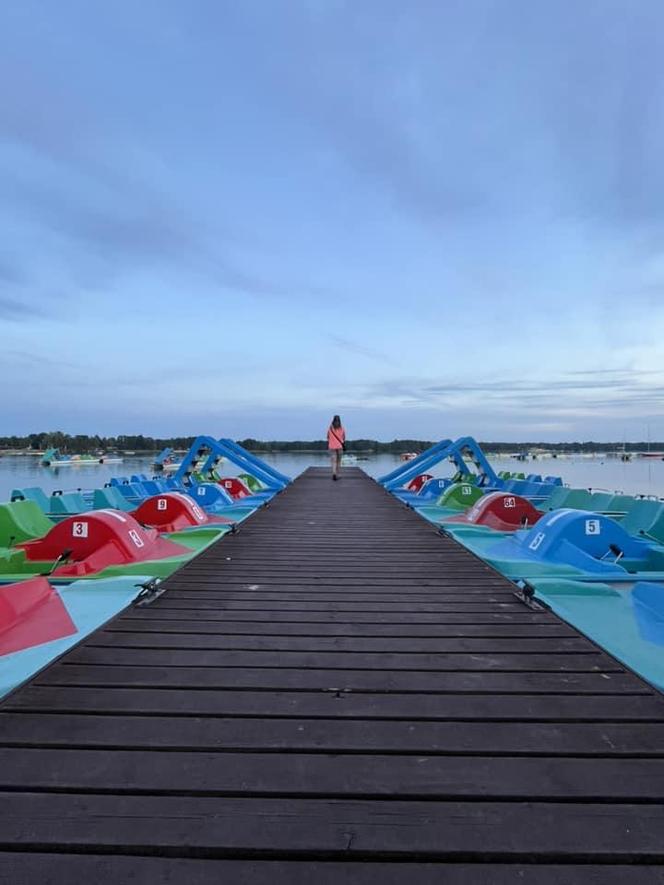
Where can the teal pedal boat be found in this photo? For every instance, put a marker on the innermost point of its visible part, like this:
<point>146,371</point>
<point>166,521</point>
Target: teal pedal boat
<point>627,619</point>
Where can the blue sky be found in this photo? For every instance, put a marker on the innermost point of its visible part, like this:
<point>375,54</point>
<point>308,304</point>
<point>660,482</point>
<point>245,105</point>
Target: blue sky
<point>437,218</point>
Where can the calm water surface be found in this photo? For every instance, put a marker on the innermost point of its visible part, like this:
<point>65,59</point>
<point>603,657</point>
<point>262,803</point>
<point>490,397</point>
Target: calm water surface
<point>641,476</point>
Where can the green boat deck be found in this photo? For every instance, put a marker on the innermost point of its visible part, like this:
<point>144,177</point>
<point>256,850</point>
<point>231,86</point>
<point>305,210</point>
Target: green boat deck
<point>335,694</point>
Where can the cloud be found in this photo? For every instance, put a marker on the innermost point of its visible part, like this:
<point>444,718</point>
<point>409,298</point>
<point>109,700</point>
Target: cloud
<point>480,110</point>
<point>634,373</point>
<point>11,273</point>
<point>367,98</point>
<point>134,230</point>
<point>35,360</point>
<point>16,311</point>
<point>361,349</point>
<point>80,176</point>
<point>617,391</point>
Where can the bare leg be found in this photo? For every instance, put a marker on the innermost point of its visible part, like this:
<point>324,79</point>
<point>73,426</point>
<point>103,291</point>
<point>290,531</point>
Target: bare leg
<point>338,454</point>
<point>333,461</point>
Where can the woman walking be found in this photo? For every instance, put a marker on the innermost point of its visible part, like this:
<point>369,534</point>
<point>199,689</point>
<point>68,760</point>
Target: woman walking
<point>336,444</point>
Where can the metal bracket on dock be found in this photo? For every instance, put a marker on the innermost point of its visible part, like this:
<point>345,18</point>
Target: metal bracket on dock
<point>525,593</point>
<point>150,591</point>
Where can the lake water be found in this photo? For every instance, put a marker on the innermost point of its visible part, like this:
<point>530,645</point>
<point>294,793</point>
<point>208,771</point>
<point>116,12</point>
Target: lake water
<point>640,476</point>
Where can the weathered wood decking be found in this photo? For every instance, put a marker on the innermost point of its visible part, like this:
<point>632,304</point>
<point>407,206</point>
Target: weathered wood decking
<point>336,694</point>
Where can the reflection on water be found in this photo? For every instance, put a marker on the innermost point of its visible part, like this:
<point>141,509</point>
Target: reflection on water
<point>640,476</point>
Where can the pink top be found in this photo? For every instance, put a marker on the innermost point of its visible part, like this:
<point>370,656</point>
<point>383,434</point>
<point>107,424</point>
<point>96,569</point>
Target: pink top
<point>335,437</point>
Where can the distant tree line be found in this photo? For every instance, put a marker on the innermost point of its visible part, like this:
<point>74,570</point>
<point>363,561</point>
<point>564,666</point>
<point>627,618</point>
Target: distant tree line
<point>504,448</point>
<point>82,443</point>
<point>397,446</point>
<point>367,446</point>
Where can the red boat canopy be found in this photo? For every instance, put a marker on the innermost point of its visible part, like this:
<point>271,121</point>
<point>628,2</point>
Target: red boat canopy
<point>175,511</point>
<point>97,540</point>
<point>500,511</point>
<point>31,613</point>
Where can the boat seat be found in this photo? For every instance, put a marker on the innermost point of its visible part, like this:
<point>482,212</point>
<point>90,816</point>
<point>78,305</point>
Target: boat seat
<point>641,516</point>
<point>155,486</point>
<point>22,521</point>
<point>68,503</point>
<point>528,489</point>
<point>620,505</point>
<point>574,499</point>
<point>33,493</point>
<point>110,498</point>
<point>601,502</point>
<point>131,491</point>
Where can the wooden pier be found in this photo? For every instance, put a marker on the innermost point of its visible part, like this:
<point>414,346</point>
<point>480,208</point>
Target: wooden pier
<point>336,694</point>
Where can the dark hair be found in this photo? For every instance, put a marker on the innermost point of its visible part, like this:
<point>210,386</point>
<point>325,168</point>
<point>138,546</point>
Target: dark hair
<point>336,422</point>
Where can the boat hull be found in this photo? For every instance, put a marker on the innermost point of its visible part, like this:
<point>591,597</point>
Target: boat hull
<point>61,616</point>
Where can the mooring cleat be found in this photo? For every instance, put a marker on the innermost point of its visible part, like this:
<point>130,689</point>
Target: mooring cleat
<point>150,590</point>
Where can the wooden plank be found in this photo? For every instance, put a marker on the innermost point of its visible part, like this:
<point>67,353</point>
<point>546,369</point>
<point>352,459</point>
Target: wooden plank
<point>246,605</point>
<point>221,827</point>
<point>284,554</point>
<point>304,597</point>
<point>549,629</point>
<point>274,678</point>
<point>316,567</point>
<point>393,705</point>
<point>348,590</point>
<point>315,570</point>
<point>484,645</point>
<point>349,775</point>
<point>588,662</point>
<point>343,705</point>
<point>332,735</point>
<point>112,869</point>
<point>518,616</point>
<point>397,578</point>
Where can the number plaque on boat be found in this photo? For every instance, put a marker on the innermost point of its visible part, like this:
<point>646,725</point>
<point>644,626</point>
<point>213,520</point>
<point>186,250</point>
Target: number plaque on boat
<point>592,526</point>
<point>537,540</point>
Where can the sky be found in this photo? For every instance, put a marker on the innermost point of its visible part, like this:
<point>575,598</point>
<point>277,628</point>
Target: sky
<point>435,218</point>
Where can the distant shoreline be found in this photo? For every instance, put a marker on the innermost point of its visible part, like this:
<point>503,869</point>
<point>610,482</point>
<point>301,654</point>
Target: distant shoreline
<point>100,445</point>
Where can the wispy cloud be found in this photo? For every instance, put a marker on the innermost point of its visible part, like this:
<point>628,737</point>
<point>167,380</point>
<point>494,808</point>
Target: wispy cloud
<point>141,231</point>
<point>355,347</point>
<point>626,372</point>
<point>28,359</point>
<point>10,272</point>
<point>558,395</point>
<point>84,180</point>
<point>16,311</point>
